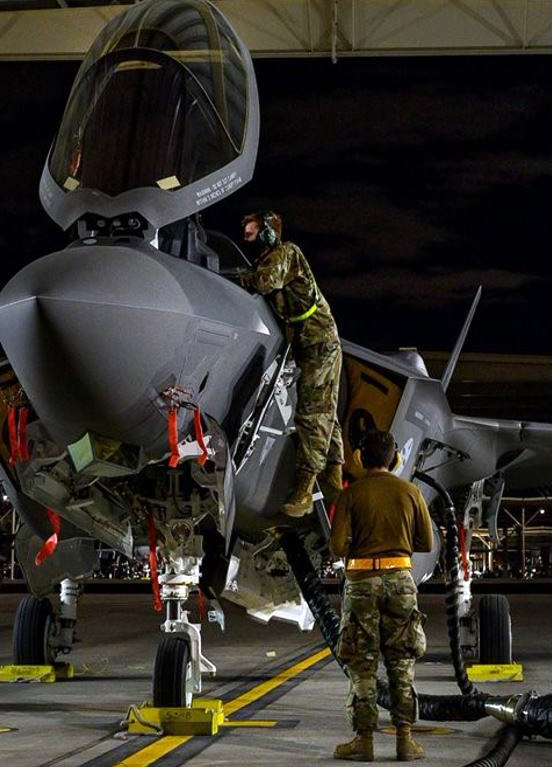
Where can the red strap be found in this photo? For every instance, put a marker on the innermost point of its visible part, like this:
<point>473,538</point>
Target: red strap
<point>17,428</point>
<point>152,535</point>
<point>22,434</point>
<point>173,437</point>
<point>12,429</point>
<point>463,553</point>
<point>199,437</point>
<point>76,156</point>
<point>202,604</point>
<point>50,545</point>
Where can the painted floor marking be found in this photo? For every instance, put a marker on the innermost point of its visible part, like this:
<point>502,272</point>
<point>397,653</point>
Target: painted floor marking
<point>150,754</point>
<point>155,751</point>
<point>260,690</point>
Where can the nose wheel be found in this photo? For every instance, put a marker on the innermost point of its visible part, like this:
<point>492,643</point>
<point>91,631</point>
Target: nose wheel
<point>172,675</point>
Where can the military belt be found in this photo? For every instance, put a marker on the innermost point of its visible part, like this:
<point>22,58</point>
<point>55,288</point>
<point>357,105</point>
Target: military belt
<point>305,315</point>
<point>378,563</point>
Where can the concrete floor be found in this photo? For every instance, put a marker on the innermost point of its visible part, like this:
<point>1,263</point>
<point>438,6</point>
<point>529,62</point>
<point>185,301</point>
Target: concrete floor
<point>70,724</point>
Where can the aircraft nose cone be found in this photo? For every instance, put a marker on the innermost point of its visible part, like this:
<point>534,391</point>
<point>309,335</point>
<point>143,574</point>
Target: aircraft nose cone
<point>94,334</point>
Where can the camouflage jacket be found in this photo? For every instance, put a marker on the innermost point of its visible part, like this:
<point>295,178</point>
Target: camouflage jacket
<point>283,274</point>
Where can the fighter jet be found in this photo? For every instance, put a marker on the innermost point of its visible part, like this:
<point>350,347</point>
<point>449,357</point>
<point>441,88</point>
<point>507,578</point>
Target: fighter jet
<point>147,399</point>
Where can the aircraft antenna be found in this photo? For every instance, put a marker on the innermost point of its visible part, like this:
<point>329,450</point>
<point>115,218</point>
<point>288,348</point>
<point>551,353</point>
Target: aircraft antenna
<point>451,364</point>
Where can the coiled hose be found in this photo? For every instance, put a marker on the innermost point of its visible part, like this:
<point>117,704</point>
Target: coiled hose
<point>453,586</point>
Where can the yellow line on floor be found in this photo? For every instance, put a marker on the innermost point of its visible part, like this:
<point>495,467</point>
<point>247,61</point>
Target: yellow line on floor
<point>271,684</point>
<point>168,743</point>
<point>154,751</point>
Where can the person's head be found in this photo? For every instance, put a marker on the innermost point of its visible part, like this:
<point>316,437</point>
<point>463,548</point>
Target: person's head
<point>264,228</point>
<point>376,450</point>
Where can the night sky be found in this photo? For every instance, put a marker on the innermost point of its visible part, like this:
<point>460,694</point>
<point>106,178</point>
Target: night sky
<point>407,182</point>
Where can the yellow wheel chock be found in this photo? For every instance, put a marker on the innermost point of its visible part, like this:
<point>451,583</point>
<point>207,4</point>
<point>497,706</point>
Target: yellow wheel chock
<point>55,673</point>
<point>505,672</point>
<point>205,717</point>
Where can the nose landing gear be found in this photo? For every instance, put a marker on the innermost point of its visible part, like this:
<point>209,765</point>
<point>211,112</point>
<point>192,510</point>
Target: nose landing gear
<point>179,662</point>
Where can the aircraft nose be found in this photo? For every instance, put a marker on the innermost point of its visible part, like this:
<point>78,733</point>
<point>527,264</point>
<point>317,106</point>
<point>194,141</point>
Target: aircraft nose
<point>94,334</point>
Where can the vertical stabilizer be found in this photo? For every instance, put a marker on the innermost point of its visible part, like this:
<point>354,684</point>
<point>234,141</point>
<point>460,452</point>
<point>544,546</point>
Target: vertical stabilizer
<point>449,370</point>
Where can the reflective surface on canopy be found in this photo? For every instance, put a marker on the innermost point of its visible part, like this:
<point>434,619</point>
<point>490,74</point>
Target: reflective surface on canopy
<point>160,101</point>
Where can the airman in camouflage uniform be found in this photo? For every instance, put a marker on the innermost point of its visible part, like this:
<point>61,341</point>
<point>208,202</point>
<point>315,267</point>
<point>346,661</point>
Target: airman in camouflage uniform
<point>281,272</point>
<point>379,521</point>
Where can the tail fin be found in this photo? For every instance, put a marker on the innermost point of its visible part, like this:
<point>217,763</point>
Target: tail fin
<point>451,364</point>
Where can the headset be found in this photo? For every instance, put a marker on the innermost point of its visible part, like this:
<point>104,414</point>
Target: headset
<point>268,235</point>
<point>396,460</point>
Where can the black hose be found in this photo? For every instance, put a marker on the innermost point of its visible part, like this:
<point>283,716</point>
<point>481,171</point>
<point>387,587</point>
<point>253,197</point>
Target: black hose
<point>502,750</point>
<point>453,585</point>
<point>311,588</point>
<point>536,716</point>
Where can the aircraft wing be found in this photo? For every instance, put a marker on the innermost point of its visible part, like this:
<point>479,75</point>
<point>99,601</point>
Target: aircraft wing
<point>523,450</point>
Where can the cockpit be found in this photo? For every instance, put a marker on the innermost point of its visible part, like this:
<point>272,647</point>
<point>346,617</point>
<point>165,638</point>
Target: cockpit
<point>162,119</point>
<point>143,119</point>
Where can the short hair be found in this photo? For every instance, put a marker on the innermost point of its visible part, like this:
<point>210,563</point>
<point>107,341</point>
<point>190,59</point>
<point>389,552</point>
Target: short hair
<point>274,220</point>
<point>377,448</point>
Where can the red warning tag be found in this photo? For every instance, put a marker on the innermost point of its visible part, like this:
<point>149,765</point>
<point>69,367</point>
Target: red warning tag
<point>173,437</point>
<point>152,535</point>
<point>200,438</point>
<point>51,544</point>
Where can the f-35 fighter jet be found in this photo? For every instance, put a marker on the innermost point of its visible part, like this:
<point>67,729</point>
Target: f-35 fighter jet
<point>147,399</point>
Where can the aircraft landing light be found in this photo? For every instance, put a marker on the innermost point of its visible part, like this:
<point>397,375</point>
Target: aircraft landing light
<point>168,743</point>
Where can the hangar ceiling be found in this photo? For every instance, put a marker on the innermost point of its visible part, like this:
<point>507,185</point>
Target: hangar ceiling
<point>64,29</point>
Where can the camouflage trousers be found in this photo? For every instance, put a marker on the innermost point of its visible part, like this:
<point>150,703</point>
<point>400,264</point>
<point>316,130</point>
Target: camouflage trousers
<point>316,423</point>
<point>381,613</point>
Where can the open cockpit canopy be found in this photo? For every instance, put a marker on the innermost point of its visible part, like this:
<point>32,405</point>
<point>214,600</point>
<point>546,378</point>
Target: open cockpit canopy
<point>162,118</point>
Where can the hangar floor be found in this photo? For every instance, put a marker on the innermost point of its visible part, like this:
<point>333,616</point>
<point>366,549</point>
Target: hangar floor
<point>70,724</point>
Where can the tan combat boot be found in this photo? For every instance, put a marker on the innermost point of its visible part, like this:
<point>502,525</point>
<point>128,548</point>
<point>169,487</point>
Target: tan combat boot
<point>360,749</point>
<point>407,748</point>
<point>300,501</point>
<point>331,482</point>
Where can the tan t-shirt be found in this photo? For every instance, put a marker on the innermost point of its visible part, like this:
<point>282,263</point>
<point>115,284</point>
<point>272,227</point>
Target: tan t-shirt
<point>380,515</point>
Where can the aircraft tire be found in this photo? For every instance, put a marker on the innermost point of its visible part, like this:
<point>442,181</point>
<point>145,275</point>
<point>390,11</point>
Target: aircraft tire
<point>495,629</point>
<point>169,674</point>
<point>31,630</point>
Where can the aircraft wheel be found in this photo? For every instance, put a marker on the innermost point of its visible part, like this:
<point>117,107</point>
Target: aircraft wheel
<point>495,629</point>
<point>172,673</point>
<point>32,629</point>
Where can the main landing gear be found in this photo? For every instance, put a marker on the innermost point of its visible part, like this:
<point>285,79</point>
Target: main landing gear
<point>39,634</point>
<point>495,630</point>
